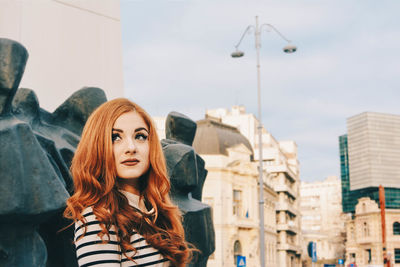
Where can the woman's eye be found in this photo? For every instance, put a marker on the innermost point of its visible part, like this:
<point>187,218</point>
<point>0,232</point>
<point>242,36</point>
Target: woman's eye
<point>141,137</point>
<point>115,137</point>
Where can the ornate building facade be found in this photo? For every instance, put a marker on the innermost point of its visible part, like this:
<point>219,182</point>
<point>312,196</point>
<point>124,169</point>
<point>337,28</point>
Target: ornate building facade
<point>231,189</point>
<point>364,235</point>
<point>282,175</point>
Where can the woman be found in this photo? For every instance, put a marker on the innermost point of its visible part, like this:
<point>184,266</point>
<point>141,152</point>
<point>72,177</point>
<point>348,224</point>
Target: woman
<point>121,208</point>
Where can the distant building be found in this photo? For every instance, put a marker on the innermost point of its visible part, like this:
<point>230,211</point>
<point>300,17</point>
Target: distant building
<point>231,189</point>
<point>364,235</point>
<point>282,168</point>
<point>71,44</point>
<point>160,125</point>
<point>369,157</point>
<point>322,220</point>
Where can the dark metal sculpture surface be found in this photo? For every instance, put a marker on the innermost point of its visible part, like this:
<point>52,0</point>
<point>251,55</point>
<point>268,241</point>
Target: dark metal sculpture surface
<point>187,174</point>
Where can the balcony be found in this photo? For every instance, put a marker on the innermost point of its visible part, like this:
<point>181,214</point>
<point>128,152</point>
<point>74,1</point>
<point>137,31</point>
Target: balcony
<point>281,168</point>
<point>243,222</point>
<point>289,247</point>
<point>246,224</point>
<point>288,227</point>
<point>365,240</point>
<point>285,188</point>
<point>285,206</point>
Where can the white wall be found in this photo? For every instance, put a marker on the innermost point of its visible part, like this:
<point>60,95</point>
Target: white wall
<point>71,44</point>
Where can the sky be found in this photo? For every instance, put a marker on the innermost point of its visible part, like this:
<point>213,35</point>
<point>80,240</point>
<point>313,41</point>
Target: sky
<point>177,58</point>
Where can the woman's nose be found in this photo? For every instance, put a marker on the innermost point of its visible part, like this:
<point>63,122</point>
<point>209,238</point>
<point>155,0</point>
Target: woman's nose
<point>130,146</point>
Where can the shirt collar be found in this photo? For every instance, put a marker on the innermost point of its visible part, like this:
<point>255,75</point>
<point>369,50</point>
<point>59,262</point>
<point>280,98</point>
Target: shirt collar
<point>136,202</point>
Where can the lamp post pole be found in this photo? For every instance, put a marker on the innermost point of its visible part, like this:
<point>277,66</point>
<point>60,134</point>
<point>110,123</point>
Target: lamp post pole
<point>287,49</point>
<point>260,149</point>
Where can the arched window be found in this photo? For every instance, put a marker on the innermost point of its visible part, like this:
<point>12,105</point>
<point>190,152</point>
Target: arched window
<point>237,251</point>
<point>396,228</point>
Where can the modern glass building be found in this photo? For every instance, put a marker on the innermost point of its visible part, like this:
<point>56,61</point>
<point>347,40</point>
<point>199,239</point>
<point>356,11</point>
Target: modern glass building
<point>369,157</point>
<point>347,205</point>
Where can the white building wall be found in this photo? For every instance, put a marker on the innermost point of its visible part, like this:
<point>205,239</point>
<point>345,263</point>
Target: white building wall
<point>160,124</point>
<point>374,150</point>
<point>364,232</point>
<point>71,44</point>
<point>322,218</point>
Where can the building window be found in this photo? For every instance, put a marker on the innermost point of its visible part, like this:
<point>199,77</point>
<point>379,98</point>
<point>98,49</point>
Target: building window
<point>237,203</point>
<point>237,251</point>
<point>365,229</point>
<point>397,255</point>
<point>396,228</point>
<point>369,257</point>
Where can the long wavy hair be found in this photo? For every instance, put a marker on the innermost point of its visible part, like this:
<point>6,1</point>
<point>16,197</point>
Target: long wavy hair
<point>95,182</point>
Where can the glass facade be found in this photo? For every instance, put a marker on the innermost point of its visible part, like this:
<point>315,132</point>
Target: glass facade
<point>350,197</point>
<point>344,175</point>
<point>396,228</point>
<point>396,255</point>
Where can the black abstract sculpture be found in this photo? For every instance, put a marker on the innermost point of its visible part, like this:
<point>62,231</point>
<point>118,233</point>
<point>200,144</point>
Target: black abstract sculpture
<point>36,149</point>
<point>187,174</point>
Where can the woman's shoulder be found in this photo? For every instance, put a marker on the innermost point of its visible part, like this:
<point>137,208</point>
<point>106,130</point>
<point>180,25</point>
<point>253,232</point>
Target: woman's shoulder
<point>91,226</point>
<point>89,219</point>
<point>87,212</point>
<point>93,247</point>
<point>87,215</point>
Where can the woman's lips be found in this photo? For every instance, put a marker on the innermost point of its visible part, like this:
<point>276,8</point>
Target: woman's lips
<point>130,162</point>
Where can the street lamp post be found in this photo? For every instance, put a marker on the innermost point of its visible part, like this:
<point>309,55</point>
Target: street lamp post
<point>287,49</point>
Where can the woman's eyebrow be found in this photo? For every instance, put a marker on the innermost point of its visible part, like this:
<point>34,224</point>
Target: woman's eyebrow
<point>141,128</point>
<point>117,130</point>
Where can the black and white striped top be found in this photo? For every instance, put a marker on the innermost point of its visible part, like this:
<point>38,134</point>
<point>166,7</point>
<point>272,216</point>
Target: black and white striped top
<point>90,250</point>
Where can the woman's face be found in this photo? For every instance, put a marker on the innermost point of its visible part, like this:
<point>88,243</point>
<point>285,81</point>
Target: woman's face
<point>131,147</point>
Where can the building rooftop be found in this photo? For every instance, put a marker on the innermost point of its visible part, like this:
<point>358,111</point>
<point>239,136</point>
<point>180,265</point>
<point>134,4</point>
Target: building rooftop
<point>213,137</point>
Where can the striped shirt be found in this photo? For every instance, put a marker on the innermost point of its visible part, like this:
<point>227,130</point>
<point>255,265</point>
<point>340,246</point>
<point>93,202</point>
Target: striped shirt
<point>90,250</point>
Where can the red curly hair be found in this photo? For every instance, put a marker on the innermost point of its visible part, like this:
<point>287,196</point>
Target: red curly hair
<point>95,181</point>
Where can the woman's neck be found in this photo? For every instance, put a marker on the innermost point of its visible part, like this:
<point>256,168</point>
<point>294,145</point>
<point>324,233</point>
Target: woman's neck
<point>129,185</point>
